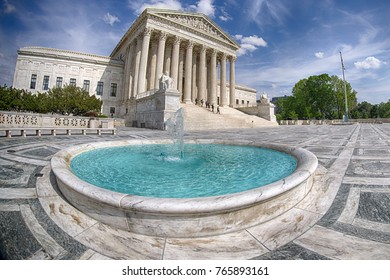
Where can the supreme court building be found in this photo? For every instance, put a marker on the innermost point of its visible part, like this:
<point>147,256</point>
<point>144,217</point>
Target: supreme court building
<point>188,47</point>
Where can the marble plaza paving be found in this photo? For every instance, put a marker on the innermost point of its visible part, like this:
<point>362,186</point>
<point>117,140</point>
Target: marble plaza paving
<point>345,216</point>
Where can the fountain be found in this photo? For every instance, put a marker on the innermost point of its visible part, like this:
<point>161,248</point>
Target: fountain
<point>187,216</point>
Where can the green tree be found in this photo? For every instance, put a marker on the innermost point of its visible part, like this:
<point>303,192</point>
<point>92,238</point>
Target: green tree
<point>314,97</point>
<point>338,87</point>
<point>320,97</point>
<point>66,100</point>
<point>384,109</point>
<point>362,111</point>
<point>374,113</point>
<point>72,100</point>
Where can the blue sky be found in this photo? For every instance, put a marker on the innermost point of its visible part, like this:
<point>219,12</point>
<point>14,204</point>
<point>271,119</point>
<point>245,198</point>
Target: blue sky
<point>282,41</point>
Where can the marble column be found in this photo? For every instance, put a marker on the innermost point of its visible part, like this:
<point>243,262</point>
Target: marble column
<point>153,62</point>
<point>208,82</point>
<point>180,73</point>
<point>232,81</point>
<point>168,57</point>
<point>160,58</point>
<point>188,73</point>
<point>144,61</point>
<point>213,65</point>
<point>222,84</point>
<point>194,78</point>
<point>175,62</point>
<point>136,66</point>
<point>202,74</point>
<point>127,81</point>
<point>131,71</point>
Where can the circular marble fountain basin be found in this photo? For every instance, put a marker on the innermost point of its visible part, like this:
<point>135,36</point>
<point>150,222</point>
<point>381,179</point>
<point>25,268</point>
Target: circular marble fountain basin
<point>185,217</point>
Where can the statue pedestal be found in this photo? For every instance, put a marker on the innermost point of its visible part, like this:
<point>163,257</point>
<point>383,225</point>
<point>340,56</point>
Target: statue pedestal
<point>266,109</point>
<point>154,110</point>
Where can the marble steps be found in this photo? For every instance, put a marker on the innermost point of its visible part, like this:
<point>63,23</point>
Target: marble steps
<point>200,118</point>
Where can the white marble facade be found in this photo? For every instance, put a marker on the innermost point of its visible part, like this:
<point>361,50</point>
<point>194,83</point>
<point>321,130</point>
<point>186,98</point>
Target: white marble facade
<point>197,54</point>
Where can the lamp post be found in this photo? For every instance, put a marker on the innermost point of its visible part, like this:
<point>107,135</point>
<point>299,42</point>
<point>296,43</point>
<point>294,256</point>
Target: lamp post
<point>345,117</point>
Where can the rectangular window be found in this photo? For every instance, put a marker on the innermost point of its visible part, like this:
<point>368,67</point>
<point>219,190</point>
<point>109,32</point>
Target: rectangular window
<point>237,102</point>
<point>45,85</point>
<point>59,82</point>
<point>112,110</point>
<point>72,82</point>
<point>99,88</point>
<point>242,102</point>
<point>33,81</point>
<point>113,89</point>
<point>86,85</point>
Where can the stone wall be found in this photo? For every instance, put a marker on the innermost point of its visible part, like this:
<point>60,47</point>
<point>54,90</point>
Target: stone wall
<point>264,109</point>
<point>30,120</point>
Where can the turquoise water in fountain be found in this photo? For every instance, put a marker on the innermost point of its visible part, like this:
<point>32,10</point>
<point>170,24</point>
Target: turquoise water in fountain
<point>161,171</point>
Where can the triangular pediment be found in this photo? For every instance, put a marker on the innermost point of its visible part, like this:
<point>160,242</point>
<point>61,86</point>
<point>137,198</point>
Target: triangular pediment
<point>195,21</point>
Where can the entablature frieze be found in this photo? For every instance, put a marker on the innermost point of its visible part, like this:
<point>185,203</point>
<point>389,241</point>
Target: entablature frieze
<point>45,53</point>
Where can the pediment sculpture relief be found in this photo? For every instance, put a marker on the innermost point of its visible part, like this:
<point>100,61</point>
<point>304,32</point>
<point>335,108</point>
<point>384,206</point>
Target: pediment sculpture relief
<point>195,22</point>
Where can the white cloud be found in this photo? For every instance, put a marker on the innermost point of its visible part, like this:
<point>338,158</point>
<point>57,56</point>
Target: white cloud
<point>319,54</point>
<point>249,44</point>
<point>139,6</point>
<point>369,63</point>
<point>268,11</point>
<point>110,19</point>
<point>202,6</point>
<point>62,33</point>
<point>206,7</point>
<point>225,16</point>
<point>254,40</point>
<point>8,8</point>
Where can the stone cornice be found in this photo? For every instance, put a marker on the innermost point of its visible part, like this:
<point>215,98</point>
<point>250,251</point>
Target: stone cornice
<point>68,55</point>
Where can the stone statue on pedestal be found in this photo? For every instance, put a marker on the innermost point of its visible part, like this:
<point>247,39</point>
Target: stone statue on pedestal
<point>264,99</point>
<point>166,82</point>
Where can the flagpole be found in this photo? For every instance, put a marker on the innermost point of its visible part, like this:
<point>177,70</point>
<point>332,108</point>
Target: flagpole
<point>345,117</point>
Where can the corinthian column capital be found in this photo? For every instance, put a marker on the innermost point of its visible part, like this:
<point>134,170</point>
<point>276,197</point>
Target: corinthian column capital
<point>177,40</point>
<point>163,36</point>
<point>147,31</point>
<point>190,45</point>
